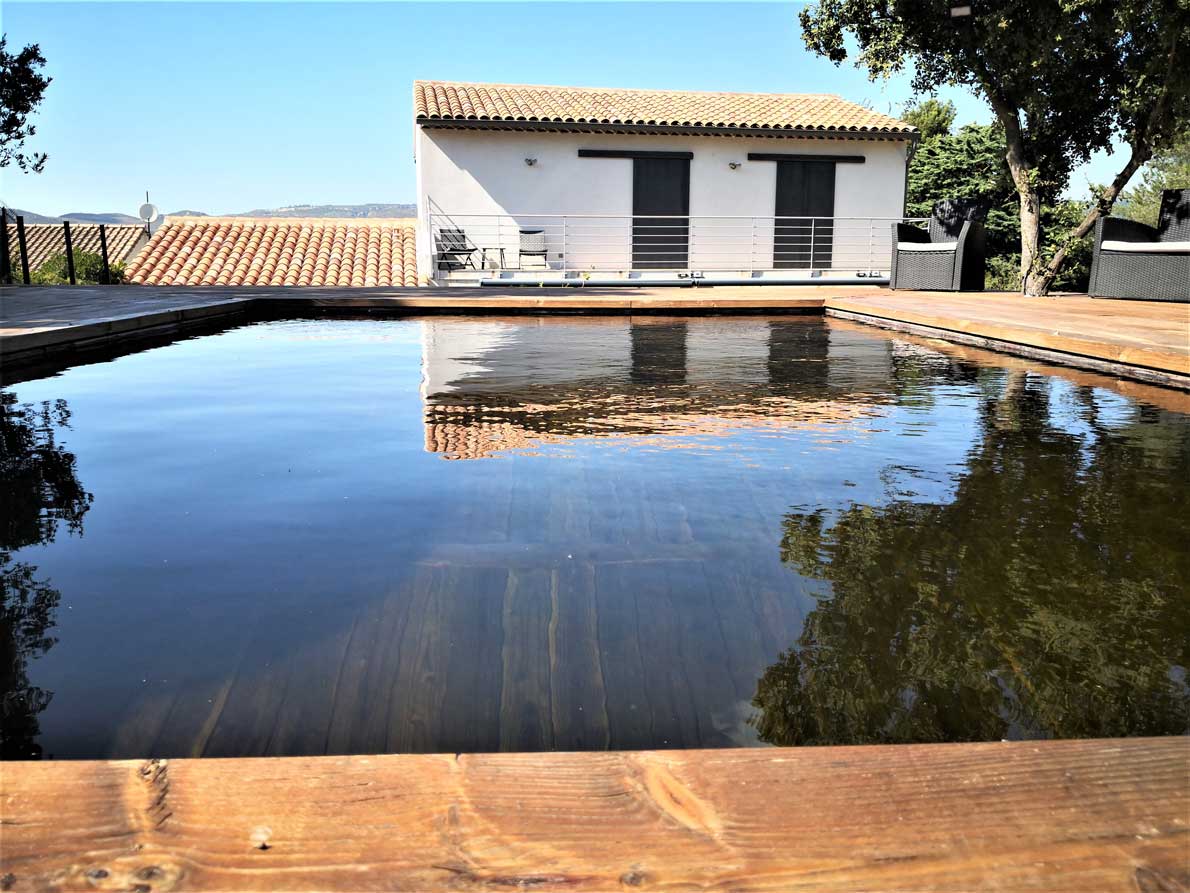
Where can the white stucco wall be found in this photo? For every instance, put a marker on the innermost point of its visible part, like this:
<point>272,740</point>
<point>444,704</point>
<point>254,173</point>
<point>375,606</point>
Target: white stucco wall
<point>472,172</point>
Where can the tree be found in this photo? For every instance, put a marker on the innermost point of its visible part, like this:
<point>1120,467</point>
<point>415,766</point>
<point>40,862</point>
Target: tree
<point>22,87</point>
<point>1168,170</point>
<point>932,118</point>
<point>1065,78</point>
<point>1046,598</point>
<point>40,491</point>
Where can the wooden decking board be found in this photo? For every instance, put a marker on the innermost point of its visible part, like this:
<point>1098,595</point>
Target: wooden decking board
<point>1109,815</point>
<point>1132,333</point>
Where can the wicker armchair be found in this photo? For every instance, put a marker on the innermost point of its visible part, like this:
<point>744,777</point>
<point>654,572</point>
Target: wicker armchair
<point>948,255</point>
<point>1142,262</point>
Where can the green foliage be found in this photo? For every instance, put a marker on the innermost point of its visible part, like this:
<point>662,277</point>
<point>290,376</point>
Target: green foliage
<point>1057,220</point>
<point>931,117</point>
<point>88,270</point>
<point>1046,598</point>
<point>1168,170</point>
<point>40,491</point>
<point>970,164</point>
<point>1065,78</point>
<point>22,86</point>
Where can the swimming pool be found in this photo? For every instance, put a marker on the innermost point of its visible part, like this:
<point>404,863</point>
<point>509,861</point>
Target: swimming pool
<point>456,534</point>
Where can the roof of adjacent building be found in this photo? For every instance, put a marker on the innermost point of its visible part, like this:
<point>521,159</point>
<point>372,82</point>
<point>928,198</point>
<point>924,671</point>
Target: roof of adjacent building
<point>45,240</point>
<point>279,251</point>
<point>448,103</point>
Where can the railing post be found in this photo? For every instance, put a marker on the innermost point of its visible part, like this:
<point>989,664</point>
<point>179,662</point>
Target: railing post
<point>813,237</point>
<point>107,270</point>
<point>565,249</point>
<point>752,253</point>
<point>23,245</point>
<point>871,244</point>
<point>5,254</point>
<point>69,253</point>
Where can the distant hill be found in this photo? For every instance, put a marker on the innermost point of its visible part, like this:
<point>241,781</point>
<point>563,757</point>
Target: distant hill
<point>30,217</point>
<point>101,218</point>
<point>73,217</point>
<point>369,210</point>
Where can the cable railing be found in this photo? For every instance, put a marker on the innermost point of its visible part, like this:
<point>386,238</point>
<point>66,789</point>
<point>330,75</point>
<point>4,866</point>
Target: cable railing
<point>478,246</point>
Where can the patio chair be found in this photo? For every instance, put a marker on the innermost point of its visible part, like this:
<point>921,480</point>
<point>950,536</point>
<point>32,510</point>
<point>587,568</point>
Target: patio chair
<point>532,244</point>
<point>948,255</point>
<point>1133,260</point>
<point>455,252</point>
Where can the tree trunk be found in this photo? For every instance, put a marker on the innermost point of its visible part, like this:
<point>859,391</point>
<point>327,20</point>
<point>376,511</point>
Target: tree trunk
<point>1031,283</point>
<point>1101,208</point>
<point>1023,177</point>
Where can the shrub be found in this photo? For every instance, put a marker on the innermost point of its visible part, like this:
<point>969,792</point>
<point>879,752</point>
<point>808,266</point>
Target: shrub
<point>88,270</point>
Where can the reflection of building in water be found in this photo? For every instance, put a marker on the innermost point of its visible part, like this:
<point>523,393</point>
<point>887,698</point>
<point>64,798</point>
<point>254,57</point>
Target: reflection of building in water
<point>489,386</point>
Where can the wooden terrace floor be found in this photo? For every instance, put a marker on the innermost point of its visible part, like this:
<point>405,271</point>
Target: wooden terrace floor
<point>1102,816</point>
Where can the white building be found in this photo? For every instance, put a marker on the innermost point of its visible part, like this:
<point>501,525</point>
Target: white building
<point>585,185</point>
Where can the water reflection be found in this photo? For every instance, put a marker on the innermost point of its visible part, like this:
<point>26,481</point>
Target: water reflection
<point>40,492</point>
<point>487,392</point>
<point>955,544</point>
<point>1048,597</point>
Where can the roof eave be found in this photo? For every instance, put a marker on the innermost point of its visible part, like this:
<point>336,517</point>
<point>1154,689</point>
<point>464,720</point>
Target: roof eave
<point>664,129</point>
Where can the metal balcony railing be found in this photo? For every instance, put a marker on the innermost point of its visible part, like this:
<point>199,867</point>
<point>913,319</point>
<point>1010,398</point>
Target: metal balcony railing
<point>477,246</point>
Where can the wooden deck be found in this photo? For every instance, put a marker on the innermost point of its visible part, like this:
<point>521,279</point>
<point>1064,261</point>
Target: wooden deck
<point>1136,339</point>
<point>1073,816</point>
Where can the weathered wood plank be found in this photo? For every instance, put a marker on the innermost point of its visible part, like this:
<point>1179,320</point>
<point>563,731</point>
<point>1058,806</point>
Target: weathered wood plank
<point>1075,815</point>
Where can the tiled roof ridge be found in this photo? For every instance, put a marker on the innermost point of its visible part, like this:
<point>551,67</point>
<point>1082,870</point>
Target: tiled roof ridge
<point>322,221</point>
<point>661,90</point>
<point>443,103</point>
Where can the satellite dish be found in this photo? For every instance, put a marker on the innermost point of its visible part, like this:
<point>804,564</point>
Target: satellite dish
<point>148,213</point>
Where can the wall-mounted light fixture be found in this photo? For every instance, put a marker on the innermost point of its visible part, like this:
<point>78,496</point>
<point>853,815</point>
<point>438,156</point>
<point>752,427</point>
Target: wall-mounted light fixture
<point>734,165</point>
<point>530,161</point>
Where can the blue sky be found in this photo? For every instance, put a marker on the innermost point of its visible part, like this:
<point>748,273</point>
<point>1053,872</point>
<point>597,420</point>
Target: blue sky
<point>225,107</point>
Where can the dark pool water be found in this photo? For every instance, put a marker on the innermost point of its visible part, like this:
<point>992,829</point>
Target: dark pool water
<point>446,534</point>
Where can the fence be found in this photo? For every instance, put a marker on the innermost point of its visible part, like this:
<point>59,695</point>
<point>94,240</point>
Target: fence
<point>7,276</point>
<point>583,243</point>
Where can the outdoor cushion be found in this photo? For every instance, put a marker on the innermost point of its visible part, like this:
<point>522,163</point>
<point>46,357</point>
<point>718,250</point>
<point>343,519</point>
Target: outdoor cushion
<point>928,246</point>
<point>1149,247</point>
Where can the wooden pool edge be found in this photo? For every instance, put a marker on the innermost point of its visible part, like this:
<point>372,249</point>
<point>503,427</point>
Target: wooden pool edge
<point>1137,362</point>
<point>1104,815</point>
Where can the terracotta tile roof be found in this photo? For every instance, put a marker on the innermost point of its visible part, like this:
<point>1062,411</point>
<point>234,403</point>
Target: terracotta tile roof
<point>444,101</point>
<point>485,429</point>
<point>279,251</point>
<point>44,240</point>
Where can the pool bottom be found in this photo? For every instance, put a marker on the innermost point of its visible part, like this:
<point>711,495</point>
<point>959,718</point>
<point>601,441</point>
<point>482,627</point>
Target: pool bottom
<point>332,536</point>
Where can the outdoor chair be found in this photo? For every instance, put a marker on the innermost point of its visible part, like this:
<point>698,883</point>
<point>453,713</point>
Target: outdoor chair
<point>946,256</point>
<point>1133,260</point>
<point>532,244</point>
<point>455,252</point>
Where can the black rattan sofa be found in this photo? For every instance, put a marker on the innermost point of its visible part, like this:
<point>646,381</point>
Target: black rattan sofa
<point>1134,260</point>
<point>948,255</point>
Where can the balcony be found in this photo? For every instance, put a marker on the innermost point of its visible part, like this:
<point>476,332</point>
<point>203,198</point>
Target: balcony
<point>581,249</point>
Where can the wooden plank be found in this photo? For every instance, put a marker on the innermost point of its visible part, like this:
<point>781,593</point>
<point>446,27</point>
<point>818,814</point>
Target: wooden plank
<point>1065,815</point>
<point>1136,333</point>
<point>577,697</point>
<point>526,722</point>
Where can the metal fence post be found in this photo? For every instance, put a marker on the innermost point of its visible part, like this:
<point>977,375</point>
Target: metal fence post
<point>69,253</point>
<point>107,270</point>
<point>21,243</point>
<point>5,254</point>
